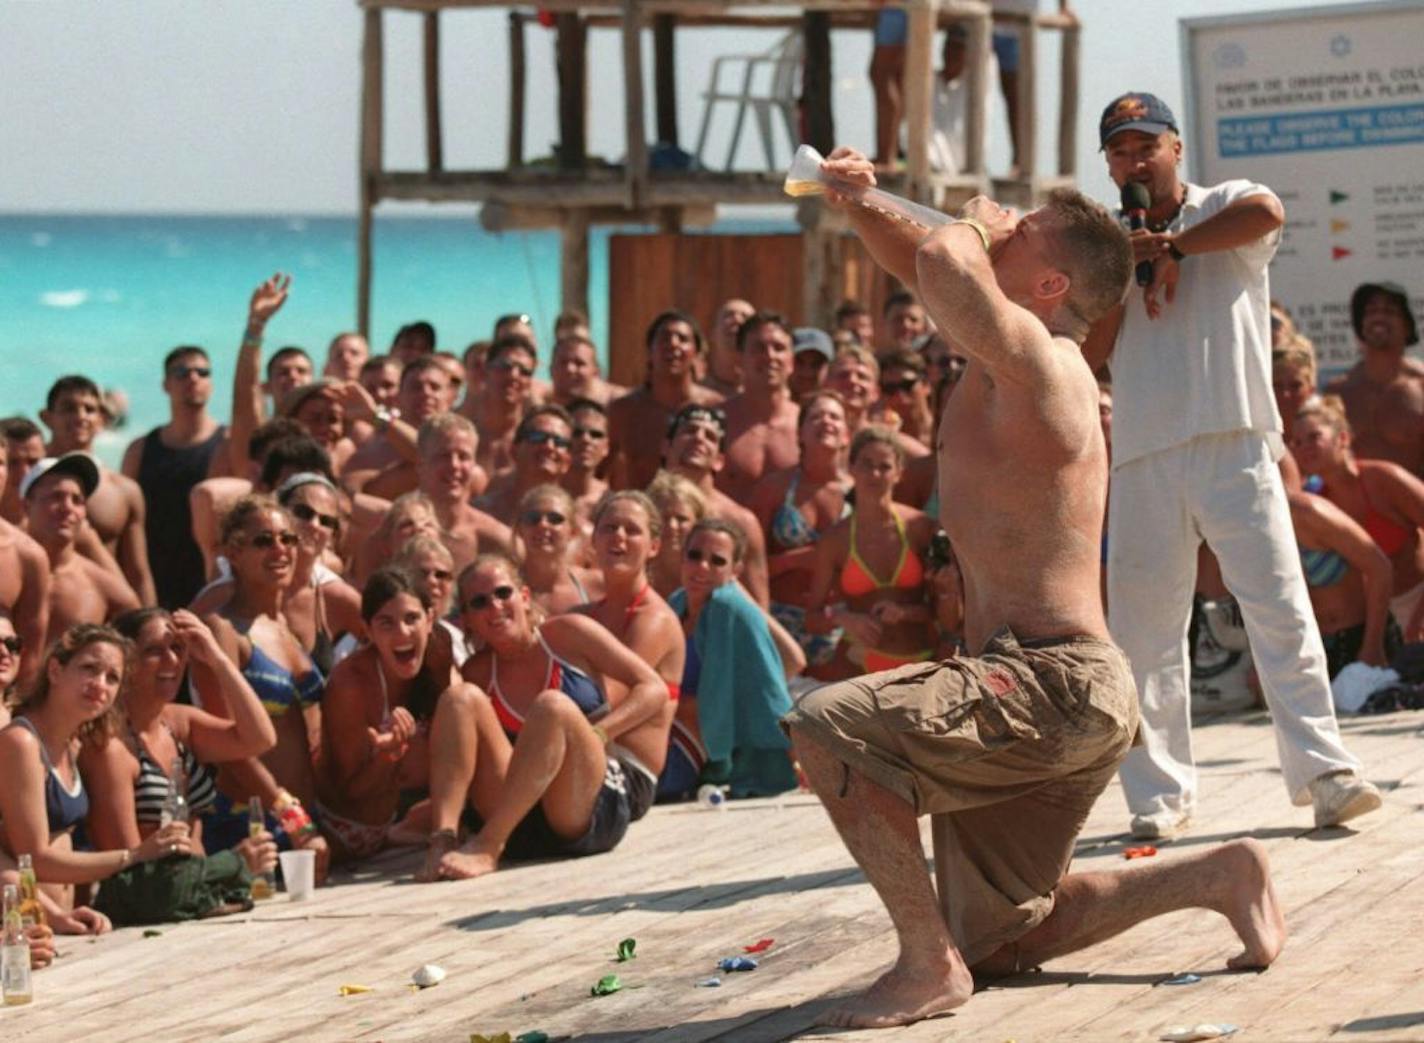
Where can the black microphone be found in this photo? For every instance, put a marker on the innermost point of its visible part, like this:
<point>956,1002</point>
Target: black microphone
<point>1135,201</point>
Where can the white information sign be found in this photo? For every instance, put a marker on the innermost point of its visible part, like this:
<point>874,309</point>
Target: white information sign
<point>1326,106</point>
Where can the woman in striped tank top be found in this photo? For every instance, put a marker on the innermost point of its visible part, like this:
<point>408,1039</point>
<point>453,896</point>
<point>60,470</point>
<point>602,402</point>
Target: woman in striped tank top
<point>127,772</point>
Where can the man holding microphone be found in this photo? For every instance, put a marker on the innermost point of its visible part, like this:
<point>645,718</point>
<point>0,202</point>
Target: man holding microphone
<point>1196,438</point>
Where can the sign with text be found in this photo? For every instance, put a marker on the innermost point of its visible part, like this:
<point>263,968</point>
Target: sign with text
<point>1326,106</point>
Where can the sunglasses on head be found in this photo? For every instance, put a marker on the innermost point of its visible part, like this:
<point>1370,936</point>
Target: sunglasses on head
<point>593,434</point>
<point>480,602</point>
<point>534,517</point>
<point>268,540</point>
<point>302,512</point>
<point>717,561</point>
<point>184,372</point>
<point>13,644</point>
<point>517,368</point>
<point>540,437</point>
<point>513,317</point>
<point>894,387</point>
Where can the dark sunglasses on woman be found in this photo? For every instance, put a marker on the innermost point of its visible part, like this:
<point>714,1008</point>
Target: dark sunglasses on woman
<point>715,560</point>
<point>534,517</point>
<point>268,540</point>
<point>480,602</point>
<point>302,512</point>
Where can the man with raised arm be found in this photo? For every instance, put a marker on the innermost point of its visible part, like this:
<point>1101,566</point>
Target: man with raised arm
<point>1008,748</point>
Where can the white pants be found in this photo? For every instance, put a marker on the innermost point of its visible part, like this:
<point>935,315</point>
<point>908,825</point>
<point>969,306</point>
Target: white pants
<point>1226,490</point>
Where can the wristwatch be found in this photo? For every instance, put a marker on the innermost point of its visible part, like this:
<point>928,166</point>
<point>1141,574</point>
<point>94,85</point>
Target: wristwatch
<point>1177,255</point>
<point>383,418</point>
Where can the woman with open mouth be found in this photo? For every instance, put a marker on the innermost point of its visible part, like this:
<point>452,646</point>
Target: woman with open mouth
<point>545,529</point>
<point>378,712</point>
<point>584,715</point>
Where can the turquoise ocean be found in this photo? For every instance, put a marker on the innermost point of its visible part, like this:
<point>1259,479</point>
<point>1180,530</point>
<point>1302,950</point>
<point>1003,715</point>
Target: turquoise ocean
<point>108,296</point>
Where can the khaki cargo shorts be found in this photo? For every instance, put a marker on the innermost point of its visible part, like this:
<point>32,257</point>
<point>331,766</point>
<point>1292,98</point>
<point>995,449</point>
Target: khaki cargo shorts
<point>1007,751</point>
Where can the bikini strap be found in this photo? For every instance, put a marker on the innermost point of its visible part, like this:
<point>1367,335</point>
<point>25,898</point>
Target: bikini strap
<point>30,727</point>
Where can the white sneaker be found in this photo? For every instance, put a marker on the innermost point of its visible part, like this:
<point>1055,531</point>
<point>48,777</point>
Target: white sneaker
<point>1161,825</point>
<point>1342,795</point>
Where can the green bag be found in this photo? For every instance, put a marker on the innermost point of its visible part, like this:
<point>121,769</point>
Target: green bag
<point>179,887</point>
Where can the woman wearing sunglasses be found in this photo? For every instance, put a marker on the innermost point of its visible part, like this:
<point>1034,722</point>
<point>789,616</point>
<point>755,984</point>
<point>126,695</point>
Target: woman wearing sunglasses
<point>11,646</point>
<point>681,506</point>
<point>323,610</point>
<point>545,529</point>
<point>733,688</point>
<point>542,444</point>
<point>432,566</point>
<point>870,573</point>
<point>586,717</point>
<point>378,714</point>
<point>253,631</point>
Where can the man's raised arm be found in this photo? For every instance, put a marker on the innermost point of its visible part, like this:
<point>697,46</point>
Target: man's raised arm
<point>891,243</point>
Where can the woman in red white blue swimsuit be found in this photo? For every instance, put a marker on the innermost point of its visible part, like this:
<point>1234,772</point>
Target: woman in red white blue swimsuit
<point>585,717</point>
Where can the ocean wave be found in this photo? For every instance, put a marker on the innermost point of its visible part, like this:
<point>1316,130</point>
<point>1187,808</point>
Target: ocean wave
<point>64,298</point>
<point>41,239</point>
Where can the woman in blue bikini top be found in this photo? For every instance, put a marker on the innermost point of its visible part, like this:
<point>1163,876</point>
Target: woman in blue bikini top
<point>260,542</point>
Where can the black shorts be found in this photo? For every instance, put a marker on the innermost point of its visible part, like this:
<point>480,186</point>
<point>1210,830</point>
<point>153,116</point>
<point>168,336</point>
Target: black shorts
<point>626,795</point>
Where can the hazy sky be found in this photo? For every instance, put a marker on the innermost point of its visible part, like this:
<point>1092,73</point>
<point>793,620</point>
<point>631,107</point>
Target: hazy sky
<point>252,105</point>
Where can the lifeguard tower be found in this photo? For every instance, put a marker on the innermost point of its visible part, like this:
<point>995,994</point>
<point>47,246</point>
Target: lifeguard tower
<point>785,89</point>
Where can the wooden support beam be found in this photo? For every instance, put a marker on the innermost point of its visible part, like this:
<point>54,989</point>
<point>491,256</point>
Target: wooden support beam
<point>518,78</point>
<point>636,171</point>
<point>976,68</point>
<point>816,82</point>
<point>572,59</point>
<point>919,95</point>
<point>1028,101</point>
<point>499,216</point>
<point>371,88</point>
<point>665,77</point>
<point>1068,102</point>
<point>434,147</point>
<point>573,266</point>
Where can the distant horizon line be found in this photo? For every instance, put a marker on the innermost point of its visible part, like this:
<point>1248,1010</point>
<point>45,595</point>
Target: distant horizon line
<point>430,212</point>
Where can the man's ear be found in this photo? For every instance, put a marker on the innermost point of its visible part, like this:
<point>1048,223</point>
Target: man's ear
<point>1053,285</point>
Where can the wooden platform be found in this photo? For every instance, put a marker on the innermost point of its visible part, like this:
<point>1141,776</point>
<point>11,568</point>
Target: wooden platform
<point>523,948</point>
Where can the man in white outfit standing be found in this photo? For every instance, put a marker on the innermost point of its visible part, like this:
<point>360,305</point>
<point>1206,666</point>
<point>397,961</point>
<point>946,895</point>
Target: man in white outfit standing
<point>1196,438</point>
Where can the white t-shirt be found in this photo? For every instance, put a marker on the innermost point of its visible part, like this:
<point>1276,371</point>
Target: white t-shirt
<point>1203,366</point>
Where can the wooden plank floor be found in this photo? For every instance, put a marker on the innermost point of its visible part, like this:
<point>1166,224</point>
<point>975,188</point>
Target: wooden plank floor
<point>522,948</point>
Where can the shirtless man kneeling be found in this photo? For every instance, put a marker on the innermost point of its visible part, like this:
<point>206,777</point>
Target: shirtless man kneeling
<point>1046,710</point>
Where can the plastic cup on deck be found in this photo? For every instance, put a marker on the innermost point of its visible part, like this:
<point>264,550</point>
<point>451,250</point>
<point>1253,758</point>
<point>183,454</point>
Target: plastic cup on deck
<point>298,873</point>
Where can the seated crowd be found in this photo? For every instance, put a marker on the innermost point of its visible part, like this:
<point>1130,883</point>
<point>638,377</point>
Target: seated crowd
<point>428,600</point>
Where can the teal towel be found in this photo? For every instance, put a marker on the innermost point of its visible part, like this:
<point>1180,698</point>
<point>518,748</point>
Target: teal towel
<point>741,695</point>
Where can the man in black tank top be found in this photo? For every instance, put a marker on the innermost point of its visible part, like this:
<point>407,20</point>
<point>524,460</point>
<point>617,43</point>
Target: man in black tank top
<point>167,463</point>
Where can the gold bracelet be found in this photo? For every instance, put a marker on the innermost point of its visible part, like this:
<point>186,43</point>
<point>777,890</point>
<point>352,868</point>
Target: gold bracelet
<point>978,227</point>
<point>602,734</point>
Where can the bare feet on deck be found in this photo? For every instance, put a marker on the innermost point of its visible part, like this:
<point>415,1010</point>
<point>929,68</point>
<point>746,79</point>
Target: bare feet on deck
<point>439,844</point>
<point>470,861</point>
<point>1253,910</point>
<point>903,995</point>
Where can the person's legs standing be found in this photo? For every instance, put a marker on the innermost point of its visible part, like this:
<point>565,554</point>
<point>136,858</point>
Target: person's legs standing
<point>1152,557</point>
<point>1246,520</point>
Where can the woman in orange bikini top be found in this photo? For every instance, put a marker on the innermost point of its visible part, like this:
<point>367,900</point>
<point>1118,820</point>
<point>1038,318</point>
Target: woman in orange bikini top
<point>870,575</point>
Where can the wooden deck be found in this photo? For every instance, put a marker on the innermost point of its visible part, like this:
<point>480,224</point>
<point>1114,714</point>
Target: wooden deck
<point>523,948</point>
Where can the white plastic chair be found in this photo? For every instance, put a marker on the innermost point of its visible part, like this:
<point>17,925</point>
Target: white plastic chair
<point>770,81</point>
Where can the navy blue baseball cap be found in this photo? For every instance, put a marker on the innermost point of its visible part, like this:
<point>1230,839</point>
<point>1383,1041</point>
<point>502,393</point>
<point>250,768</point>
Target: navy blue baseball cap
<point>1135,110</point>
